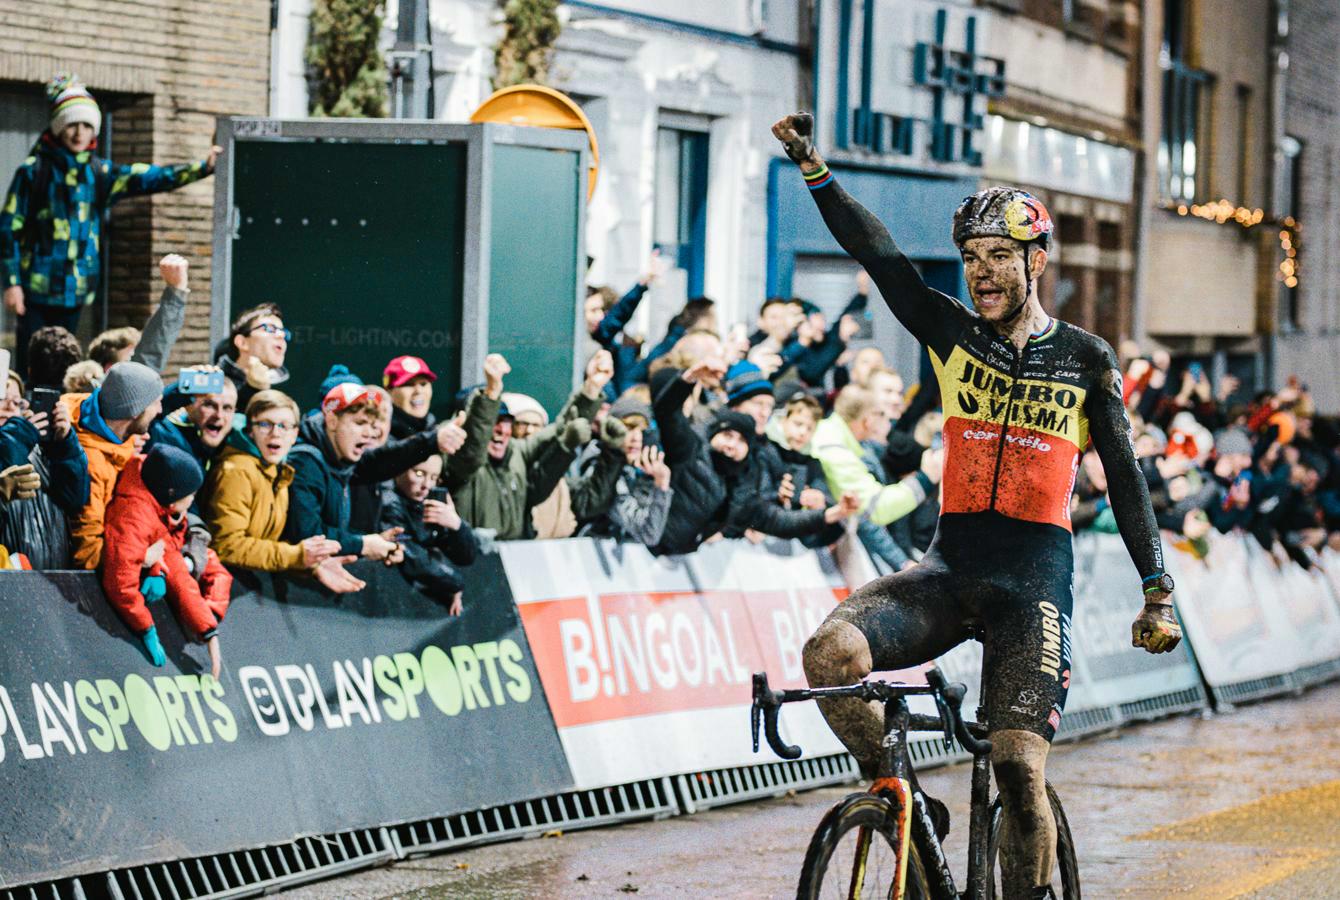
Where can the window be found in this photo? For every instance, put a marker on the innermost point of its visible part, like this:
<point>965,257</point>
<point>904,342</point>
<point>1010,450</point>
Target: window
<point>1182,156</point>
<point>680,227</point>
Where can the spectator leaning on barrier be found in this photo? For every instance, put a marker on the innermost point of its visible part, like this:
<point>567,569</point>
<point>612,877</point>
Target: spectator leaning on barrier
<point>253,356</point>
<point>410,381</point>
<point>196,423</point>
<point>42,456</point>
<point>51,222</point>
<point>247,500</point>
<point>146,532</point>
<point>713,493</point>
<point>837,443</point>
<point>436,538</point>
<point>107,421</point>
<point>642,493</point>
<point>492,476</point>
<point>332,443</point>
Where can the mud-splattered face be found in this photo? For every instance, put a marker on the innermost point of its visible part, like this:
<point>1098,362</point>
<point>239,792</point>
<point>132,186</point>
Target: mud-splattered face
<point>994,270</point>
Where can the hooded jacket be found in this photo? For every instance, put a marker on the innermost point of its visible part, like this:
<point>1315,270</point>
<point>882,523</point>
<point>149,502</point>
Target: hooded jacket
<point>499,494</point>
<point>319,497</point>
<point>51,250</point>
<point>712,493</point>
<point>136,521</point>
<point>106,459</point>
<point>248,507</point>
<point>39,528</point>
<point>432,553</point>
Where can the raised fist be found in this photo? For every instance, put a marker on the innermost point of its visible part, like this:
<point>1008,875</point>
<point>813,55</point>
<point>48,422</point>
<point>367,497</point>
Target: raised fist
<point>796,132</point>
<point>173,269</point>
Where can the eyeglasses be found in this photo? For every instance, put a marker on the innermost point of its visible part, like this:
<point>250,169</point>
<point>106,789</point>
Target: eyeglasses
<point>270,328</point>
<point>269,427</point>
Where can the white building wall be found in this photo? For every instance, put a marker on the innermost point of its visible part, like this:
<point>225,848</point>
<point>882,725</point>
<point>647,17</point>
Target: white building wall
<point>625,72</point>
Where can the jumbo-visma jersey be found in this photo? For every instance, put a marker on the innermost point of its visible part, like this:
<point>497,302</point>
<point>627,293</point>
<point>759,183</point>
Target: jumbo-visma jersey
<point>1014,423</point>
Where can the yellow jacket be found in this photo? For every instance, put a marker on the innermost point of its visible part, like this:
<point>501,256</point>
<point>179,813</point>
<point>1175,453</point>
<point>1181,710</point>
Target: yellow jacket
<point>246,507</point>
<point>840,454</point>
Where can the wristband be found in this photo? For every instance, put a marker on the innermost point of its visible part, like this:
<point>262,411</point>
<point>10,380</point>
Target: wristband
<point>820,177</point>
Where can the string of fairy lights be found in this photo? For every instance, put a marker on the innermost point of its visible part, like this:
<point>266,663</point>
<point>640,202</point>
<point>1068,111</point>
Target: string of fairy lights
<point>1223,212</point>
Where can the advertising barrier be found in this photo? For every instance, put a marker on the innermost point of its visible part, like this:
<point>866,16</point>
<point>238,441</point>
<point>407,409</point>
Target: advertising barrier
<point>647,661</point>
<point>330,714</point>
<point>578,666</point>
<point>1255,618</point>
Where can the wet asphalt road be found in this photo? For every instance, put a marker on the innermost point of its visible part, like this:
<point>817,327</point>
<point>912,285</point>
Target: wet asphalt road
<point>1239,805</point>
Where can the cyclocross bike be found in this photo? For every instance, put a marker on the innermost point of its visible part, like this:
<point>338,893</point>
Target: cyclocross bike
<point>887,843</point>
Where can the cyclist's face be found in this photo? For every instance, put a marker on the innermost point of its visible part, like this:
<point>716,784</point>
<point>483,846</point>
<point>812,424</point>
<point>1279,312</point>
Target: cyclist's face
<point>994,270</point>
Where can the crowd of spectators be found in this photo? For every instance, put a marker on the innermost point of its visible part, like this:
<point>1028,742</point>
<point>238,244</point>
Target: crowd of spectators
<point>785,430</point>
<point>1218,458</point>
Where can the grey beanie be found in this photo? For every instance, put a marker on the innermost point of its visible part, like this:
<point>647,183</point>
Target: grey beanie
<point>128,390</point>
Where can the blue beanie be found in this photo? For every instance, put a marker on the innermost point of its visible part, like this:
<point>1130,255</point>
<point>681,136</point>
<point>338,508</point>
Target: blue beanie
<point>171,473</point>
<point>337,376</point>
<point>745,380</point>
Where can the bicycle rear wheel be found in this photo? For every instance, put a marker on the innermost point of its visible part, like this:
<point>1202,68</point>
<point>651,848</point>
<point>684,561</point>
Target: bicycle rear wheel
<point>854,855</point>
<point>1066,870</point>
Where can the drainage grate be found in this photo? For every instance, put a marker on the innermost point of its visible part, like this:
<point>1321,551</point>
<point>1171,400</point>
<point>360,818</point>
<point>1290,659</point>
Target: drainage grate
<point>1317,674</point>
<point>719,787</point>
<point>250,873</point>
<point>1165,705</point>
<point>650,799</point>
<point>1086,721</point>
<point>66,889</point>
<point>1254,689</point>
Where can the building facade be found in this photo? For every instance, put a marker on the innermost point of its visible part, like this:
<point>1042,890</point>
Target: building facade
<point>1211,245</point>
<point>1066,128</point>
<point>1307,342</point>
<point>682,100</point>
<point>162,70</point>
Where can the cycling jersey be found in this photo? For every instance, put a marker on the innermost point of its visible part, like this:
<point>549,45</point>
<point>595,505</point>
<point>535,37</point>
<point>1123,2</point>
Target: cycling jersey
<point>1015,424</point>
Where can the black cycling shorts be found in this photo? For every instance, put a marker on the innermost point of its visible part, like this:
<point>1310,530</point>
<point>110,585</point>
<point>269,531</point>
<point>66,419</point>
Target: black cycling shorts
<point>1020,604</point>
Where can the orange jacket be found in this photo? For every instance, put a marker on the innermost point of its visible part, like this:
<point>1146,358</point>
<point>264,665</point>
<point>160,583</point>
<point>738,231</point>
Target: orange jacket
<point>105,462</point>
<point>136,521</point>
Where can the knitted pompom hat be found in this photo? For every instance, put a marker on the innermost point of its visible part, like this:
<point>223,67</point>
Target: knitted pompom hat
<point>70,103</point>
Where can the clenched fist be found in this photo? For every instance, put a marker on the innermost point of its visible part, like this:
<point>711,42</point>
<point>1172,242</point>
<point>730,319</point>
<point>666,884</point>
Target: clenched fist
<point>796,132</point>
<point>173,269</point>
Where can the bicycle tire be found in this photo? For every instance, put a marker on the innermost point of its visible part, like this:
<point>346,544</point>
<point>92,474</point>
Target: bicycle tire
<point>1066,860</point>
<point>855,812</point>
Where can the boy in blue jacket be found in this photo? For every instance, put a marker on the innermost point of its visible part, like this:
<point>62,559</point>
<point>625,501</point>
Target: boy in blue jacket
<point>51,221</point>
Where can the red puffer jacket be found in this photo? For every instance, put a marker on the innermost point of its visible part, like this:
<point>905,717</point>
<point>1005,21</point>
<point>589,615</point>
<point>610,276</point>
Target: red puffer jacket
<point>135,521</point>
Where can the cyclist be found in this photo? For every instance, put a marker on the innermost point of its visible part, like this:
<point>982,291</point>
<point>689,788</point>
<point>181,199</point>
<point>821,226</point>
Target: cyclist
<point>1023,393</point>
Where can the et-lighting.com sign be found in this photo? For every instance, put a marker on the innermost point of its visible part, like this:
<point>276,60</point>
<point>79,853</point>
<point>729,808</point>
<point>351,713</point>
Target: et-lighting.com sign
<point>328,716</point>
<point>167,711</point>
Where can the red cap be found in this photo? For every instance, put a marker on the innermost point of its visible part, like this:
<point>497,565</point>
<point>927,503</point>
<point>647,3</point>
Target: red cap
<point>342,396</point>
<point>403,368</point>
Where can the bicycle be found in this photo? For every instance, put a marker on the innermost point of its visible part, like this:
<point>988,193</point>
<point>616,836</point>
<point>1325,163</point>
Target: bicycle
<point>918,868</point>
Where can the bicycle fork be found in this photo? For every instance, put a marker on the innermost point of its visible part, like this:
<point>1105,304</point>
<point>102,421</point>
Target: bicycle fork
<point>894,752</point>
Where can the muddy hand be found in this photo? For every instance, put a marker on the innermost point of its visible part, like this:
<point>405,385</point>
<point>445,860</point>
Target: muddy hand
<point>796,132</point>
<point>1156,629</point>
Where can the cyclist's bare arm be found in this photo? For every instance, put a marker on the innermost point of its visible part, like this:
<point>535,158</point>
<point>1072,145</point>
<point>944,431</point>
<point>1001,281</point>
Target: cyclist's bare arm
<point>931,317</point>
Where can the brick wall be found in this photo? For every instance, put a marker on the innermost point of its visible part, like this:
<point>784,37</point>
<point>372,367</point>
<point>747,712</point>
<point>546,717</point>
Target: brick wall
<point>176,64</point>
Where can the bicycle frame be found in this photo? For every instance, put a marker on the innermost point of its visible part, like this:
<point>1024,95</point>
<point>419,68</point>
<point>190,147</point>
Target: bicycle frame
<point>896,776</point>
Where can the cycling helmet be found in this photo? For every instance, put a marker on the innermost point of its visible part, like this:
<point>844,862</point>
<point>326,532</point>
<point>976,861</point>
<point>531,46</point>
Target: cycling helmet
<point>1003,212</point>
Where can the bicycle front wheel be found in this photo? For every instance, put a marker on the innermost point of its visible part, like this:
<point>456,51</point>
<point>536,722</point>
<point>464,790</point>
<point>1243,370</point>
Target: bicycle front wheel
<point>1066,870</point>
<point>855,853</point>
